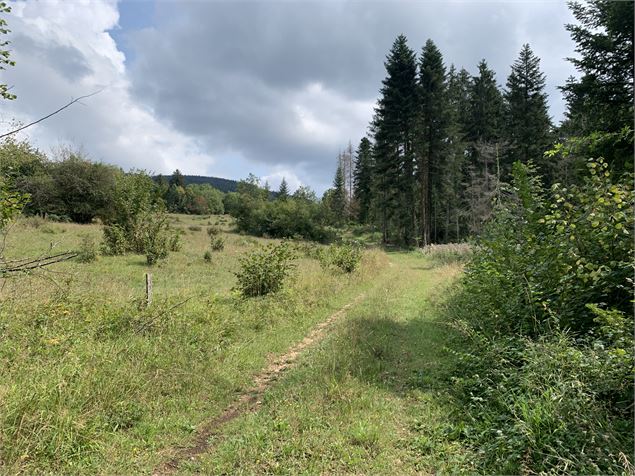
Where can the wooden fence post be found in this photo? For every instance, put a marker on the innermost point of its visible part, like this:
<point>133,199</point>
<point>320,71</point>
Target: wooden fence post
<point>148,289</point>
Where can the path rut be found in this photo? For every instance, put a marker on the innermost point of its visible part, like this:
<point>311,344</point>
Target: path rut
<point>250,400</point>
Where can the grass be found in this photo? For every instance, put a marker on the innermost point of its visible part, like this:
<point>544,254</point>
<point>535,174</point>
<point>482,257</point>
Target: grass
<point>91,382</point>
<point>371,399</point>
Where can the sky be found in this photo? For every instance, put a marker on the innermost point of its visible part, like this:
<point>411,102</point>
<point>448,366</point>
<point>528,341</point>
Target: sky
<point>228,88</point>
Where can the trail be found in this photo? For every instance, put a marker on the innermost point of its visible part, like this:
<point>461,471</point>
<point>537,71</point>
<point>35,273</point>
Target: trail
<point>250,400</point>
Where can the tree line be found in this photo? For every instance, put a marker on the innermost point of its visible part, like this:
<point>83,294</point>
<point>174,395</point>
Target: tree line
<point>442,142</point>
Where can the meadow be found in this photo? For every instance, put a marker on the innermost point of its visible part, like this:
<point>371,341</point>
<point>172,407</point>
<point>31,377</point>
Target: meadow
<point>92,380</point>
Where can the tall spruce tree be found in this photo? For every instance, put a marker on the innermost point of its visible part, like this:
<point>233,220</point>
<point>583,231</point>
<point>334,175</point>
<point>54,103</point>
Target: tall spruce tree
<point>527,123</point>
<point>602,98</point>
<point>432,124</point>
<point>283,190</point>
<point>338,196</point>
<point>486,107</point>
<point>177,179</point>
<point>394,127</point>
<point>455,165</point>
<point>484,137</point>
<point>362,179</point>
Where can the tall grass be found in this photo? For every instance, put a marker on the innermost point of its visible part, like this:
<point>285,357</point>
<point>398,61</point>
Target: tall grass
<point>92,381</point>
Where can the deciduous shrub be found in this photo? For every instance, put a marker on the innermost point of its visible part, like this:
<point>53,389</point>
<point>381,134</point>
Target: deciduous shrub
<point>138,222</point>
<point>87,250</point>
<point>345,256</point>
<point>546,369</point>
<point>265,270</point>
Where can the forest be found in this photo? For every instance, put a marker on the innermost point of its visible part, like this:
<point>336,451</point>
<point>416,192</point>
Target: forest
<point>491,251</point>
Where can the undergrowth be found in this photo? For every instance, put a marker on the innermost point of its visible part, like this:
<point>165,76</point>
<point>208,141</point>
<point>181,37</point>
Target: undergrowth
<point>546,372</point>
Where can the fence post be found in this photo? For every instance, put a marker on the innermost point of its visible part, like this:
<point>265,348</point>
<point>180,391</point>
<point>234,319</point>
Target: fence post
<point>148,289</point>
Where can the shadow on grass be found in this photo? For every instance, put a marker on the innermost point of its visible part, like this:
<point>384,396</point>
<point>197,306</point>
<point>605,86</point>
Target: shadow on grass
<point>400,356</point>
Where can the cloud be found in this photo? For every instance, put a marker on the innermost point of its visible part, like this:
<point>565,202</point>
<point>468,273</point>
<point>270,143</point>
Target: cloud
<point>63,50</point>
<point>227,88</point>
<point>284,84</point>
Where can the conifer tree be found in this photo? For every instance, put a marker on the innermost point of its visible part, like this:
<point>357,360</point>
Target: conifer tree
<point>601,99</point>
<point>177,179</point>
<point>455,166</point>
<point>527,123</point>
<point>362,179</point>
<point>338,197</point>
<point>484,137</point>
<point>432,134</point>
<point>394,131</point>
<point>283,191</point>
<point>486,106</point>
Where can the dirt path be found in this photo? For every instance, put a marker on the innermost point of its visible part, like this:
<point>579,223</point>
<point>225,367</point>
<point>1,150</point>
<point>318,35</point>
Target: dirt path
<point>250,400</point>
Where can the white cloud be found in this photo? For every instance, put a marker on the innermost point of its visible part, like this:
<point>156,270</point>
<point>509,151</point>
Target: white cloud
<point>63,50</point>
<point>275,179</point>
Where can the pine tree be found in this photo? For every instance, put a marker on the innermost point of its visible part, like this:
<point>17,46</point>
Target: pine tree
<point>602,98</point>
<point>486,107</point>
<point>454,171</point>
<point>177,179</point>
<point>527,123</point>
<point>283,191</point>
<point>484,137</point>
<point>432,135</point>
<point>394,131</point>
<point>338,197</point>
<point>362,179</point>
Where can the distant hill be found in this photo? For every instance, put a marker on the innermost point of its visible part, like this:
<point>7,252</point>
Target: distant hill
<point>224,185</point>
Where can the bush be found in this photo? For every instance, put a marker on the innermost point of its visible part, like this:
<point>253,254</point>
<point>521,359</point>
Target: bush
<point>217,243</point>
<point>280,218</point>
<point>264,271</point>
<point>213,230</point>
<point>546,308</point>
<point>115,241</point>
<point>158,239</point>
<point>138,222</point>
<point>87,250</point>
<point>521,394</point>
<point>194,228</point>
<point>345,257</point>
<point>207,256</point>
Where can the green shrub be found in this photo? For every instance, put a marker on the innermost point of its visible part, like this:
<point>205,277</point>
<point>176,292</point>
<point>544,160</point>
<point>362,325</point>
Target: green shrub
<point>520,396</point>
<point>217,243</point>
<point>207,256</point>
<point>546,368</point>
<point>87,252</point>
<point>115,241</point>
<point>265,270</point>
<point>213,230</point>
<point>158,239</point>
<point>345,257</point>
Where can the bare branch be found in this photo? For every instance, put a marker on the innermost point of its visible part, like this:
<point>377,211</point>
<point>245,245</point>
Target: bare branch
<point>49,115</point>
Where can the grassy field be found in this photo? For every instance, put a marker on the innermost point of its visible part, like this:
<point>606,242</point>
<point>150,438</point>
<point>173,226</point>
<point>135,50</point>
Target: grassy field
<point>92,382</point>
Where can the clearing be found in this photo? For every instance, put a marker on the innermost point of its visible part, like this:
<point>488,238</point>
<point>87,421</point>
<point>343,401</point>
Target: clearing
<point>337,374</point>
